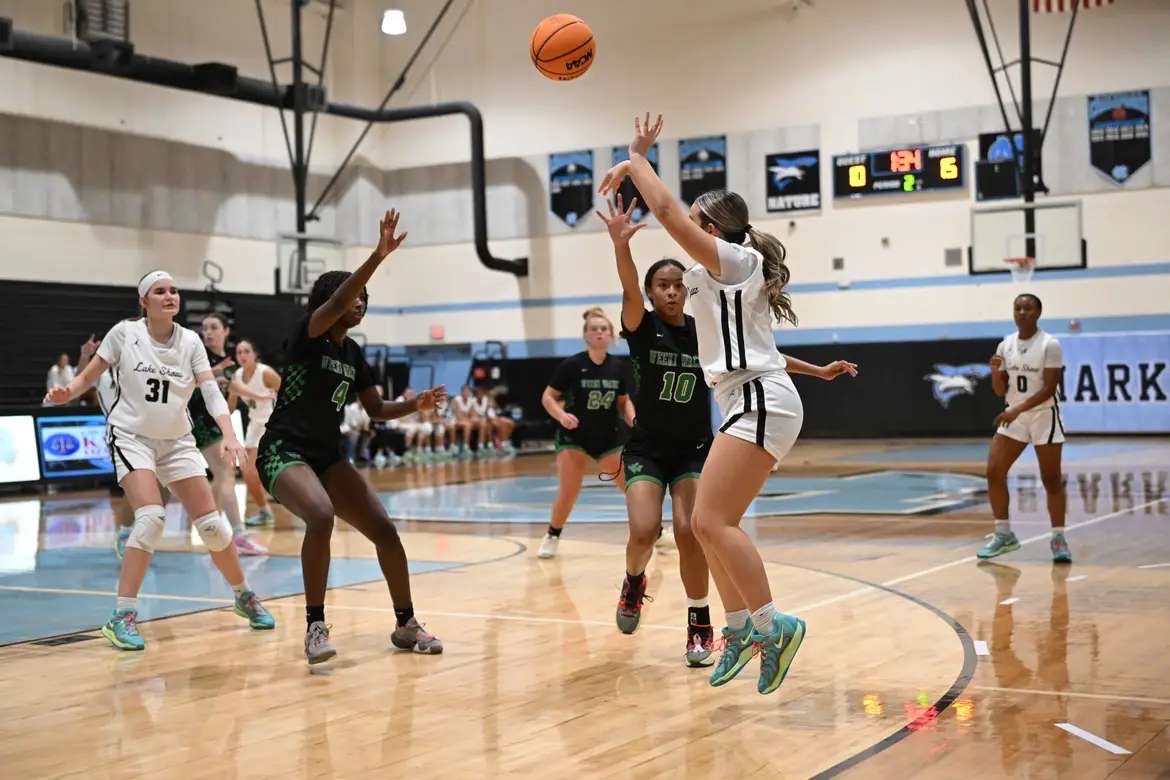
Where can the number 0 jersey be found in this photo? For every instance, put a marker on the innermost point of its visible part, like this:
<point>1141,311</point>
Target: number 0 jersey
<point>318,381</point>
<point>1025,361</point>
<point>153,381</point>
<point>670,396</point>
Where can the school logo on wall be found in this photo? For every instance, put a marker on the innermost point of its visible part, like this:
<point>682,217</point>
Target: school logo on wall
<point>627,189</point>
<point>1119,133</point>
<point>570,185</point>
<point>702,166</point>
<point>949,382</point>
<point>793,181</point>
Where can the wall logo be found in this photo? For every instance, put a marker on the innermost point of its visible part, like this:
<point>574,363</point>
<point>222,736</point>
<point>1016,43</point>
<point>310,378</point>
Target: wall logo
<point>793,181</point>
<point>62,444</point>
<point>951,381</point>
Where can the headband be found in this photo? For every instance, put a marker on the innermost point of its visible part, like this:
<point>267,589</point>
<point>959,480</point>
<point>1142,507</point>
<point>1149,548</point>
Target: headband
<point>150,280</point>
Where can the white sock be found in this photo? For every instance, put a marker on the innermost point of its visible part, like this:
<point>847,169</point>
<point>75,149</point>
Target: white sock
<point>738,619</point>
<point>698,604</point>
<point>1058,533</point>
<point>762,619</point>
<point>1003,527</point>
<point>126,603</point>
<point>243,586</point>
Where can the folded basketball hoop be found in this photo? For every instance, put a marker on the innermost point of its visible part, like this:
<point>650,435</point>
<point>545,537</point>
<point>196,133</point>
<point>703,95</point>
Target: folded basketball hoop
<point>1021,268</point>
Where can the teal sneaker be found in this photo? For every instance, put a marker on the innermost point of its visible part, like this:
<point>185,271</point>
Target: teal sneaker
<point>737,651</point>
<point>248,606</point>
<point>120,541</point>
<point>777,650</point>
<point>999,544</point>
<point>1060,551</point>
<point>260,519</point>
<point>122,630</point>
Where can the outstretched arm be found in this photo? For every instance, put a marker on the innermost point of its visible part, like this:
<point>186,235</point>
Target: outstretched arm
<point>379,409</point>
<point>620,231</point>
<point>828,373</point>
<point>328,313</point>
<point>79,384</point>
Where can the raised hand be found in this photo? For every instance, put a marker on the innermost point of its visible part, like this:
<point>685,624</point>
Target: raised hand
<point>645,134</point>
<point>613,177</point>
<point>618,222</point>
<point>91,346</point>
<point>837,368</point>
<point>387,241</point>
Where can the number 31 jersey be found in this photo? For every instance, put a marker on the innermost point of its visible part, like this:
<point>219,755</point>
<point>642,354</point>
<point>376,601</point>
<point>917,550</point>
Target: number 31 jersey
<point>153,381</point>
<point>320,378</point>
<point>1024,360</point>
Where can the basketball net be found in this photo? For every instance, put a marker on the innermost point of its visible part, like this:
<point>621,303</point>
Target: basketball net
<point>1021,268</point>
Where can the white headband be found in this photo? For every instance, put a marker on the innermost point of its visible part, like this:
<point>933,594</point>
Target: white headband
<point>150,280</point>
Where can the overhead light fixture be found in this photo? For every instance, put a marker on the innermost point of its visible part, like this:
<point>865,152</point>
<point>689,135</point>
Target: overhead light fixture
<point>394,22</point>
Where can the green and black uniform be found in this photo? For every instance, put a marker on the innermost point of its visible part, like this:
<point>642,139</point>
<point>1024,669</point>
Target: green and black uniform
<point>590,393</point>
<point>672,432</point>
<point>203,426</point>
<point>305,427</point>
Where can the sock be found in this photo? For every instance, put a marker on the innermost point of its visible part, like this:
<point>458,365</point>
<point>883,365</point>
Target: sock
<point>266,510</point>
<point>403,615</point>
<point>1003,527</point>
<point>315,614</point>
<point>637,581</point>
<point>125,603</point>
<point>762,619</point>
<point>555,531</point>
<point>738,619</point>
<point>243,586</point>
<point>1058,533</point>
<point>698,613</point>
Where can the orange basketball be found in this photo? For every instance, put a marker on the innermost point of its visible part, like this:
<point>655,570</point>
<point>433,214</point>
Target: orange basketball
<point>562,47</point>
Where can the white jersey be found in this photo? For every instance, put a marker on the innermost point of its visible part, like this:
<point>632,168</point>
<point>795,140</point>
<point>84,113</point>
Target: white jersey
<point>734,322</point>
<point>462,407</point>
<point>258,411</point>
<point>107,391</point>
<point>154,381</point>
<point>1025,361</point>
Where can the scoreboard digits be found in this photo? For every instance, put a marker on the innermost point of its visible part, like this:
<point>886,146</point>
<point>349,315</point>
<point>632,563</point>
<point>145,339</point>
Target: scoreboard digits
<point>905,170</point>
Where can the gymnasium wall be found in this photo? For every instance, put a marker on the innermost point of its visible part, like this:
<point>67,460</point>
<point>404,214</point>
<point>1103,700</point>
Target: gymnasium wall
<point>205,178</point>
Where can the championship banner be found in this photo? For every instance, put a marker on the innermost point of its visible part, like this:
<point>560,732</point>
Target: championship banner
<point>1119,133</point>
<point>1116,383</point>
<point>702,166</point>
<point>793,181</point>
<point>627,189</point>
<point>570,185</point>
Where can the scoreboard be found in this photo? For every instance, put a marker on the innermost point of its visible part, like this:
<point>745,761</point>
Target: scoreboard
<point>906,170</point>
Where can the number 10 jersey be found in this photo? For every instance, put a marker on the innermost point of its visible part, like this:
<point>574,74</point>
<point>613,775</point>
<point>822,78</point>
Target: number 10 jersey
<point>152,381</point>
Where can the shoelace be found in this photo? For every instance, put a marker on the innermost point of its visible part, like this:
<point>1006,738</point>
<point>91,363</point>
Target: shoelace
<point>317,634</point>
<point>130,620</point>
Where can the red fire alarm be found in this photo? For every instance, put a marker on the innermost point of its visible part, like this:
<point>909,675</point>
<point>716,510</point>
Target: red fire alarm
<point>438,333</point>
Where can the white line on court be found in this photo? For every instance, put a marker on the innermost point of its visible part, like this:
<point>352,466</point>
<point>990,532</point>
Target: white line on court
<point>79,592</point>
<point>981,647</point>
<point>1154,566</point>
<point>1078,578</point>
<point>1092,738</point>
<point>1009,602</point>
<point>1070,694</point>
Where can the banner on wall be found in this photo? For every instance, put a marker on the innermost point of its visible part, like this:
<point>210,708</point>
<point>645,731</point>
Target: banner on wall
<point>1001,161</point>
<point>570,185</point>
<point>627,189</point>
<point>1119,133</point>
<point>793,181</point>
<point>1116,383</point>
<point>702,166</point>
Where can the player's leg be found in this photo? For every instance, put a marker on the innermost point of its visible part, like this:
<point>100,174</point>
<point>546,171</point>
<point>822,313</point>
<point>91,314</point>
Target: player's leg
<point>298,489</point>
<point>1052,475</point>
<point>142,495</point>
<point>256,491</point>
<point>355,503</point>
<point>196,496</point>
<point>223,487</point>
<point>571,466</point>
<point>610,462</point>
<point>692,569</point>
<point>644,494</point>
<point>1004,451</point>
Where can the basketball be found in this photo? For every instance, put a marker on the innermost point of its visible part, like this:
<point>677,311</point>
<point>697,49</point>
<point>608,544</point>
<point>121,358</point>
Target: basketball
<point>562,47</point>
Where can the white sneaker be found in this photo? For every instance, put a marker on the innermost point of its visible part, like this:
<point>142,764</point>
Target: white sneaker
<point>246,545</point>
<point>666,540</point>
<point>548,547</point>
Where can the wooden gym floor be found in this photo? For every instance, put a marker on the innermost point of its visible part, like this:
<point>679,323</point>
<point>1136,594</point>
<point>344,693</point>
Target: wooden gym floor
<point>918,662</point>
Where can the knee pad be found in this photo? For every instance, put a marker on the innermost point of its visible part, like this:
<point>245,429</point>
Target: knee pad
<point>149,522</point>
<point>215,531</point>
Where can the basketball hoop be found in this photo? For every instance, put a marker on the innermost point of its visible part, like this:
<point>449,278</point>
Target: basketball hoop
<point>1021,268</point>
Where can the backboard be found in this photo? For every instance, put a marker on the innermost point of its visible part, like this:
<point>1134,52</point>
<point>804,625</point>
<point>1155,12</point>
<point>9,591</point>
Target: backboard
<point>1001,232</point>
<point>301,258</point>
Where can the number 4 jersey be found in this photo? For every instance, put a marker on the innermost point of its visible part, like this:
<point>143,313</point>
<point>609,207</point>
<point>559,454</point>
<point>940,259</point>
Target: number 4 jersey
<point>319,378</point>
<point>1024,360</point>
<point>152,381</point>
<point>591,391</point>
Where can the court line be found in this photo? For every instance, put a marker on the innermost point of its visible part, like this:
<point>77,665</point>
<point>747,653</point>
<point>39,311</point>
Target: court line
<point>80,592</point>
<point>1093,739</point>
<point>1070,694</point>
<point>1154,566</point>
